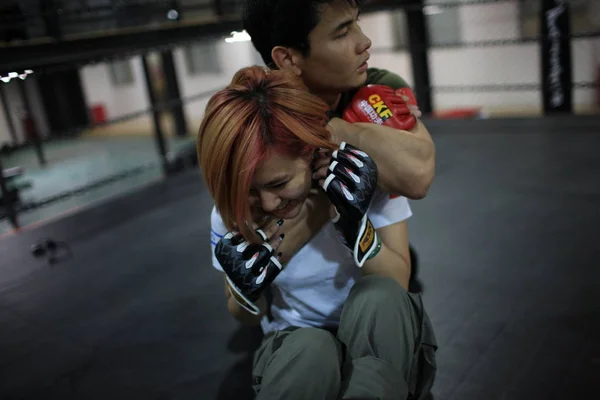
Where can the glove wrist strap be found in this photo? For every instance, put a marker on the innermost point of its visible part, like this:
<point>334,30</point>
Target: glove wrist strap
<point>242,300</point>
<point>376,250</point>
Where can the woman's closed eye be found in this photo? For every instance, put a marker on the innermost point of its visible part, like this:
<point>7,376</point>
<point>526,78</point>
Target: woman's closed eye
<point>278,185</point>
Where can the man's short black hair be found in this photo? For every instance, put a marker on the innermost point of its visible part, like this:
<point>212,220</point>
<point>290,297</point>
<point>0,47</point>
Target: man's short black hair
<point>286,23</point>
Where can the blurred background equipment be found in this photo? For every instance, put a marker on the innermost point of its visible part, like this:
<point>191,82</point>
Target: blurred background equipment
<point>94,90</point>
<point>100,104</point>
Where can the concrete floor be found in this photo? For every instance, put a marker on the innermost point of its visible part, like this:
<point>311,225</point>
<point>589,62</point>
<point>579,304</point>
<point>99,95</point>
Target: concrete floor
<point>508,245</point>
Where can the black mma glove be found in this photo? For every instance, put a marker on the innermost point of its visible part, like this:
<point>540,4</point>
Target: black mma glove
<point>249,268</point>
<point>350,185</point>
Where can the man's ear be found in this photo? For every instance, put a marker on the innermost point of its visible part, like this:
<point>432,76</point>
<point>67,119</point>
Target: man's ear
<point>287,59</point>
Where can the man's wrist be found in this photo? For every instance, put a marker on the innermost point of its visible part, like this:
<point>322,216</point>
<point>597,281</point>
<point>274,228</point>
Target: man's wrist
<point>341,131</point>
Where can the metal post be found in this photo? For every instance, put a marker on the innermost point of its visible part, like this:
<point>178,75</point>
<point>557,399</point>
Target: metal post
<point>557,76</point>
<point>158,131</point>
<point>418,44</point>
<point>37,143</point>
<point>8,200</point>
<point>9,117</point>
<point>51,18</point>
<point>173,94</point>
<point>218,7</point>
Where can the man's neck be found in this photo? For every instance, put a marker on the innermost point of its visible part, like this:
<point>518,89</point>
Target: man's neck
<point>332,99</point>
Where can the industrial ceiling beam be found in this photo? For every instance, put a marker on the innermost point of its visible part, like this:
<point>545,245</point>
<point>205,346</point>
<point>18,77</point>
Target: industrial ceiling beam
<point>48,53</point>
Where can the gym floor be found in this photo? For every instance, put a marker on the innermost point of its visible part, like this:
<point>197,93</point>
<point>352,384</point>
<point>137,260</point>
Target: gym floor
<point>508,247</point>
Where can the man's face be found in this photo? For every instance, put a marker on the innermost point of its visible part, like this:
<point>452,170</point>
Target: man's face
<point>338,51</point>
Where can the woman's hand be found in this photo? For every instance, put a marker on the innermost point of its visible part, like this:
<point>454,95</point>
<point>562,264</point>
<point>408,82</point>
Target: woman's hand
<point>320,164</point>
<point>250,267</point>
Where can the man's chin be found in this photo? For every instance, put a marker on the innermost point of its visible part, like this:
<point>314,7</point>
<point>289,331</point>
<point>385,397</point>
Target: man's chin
<point>361,78</point>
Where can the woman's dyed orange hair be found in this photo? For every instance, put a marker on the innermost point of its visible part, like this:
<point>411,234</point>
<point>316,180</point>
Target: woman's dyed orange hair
<point>258,112</point>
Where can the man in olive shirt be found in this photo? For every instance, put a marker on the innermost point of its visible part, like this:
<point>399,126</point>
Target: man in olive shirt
<point>321,41</point>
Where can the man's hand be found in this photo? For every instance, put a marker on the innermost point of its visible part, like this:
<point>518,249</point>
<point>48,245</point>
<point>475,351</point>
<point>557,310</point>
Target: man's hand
<point>406,156</point>
<point>350,185</point>
<point>381,105</point>
<point>408,95</point>
<point>250,268</point>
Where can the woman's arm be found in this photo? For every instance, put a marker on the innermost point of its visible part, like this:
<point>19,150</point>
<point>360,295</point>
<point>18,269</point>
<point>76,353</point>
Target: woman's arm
<point>393,260</point>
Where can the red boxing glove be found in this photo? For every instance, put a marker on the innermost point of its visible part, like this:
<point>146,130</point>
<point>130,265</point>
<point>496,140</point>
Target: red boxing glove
<point>378,104</point>
<point>406,91</point>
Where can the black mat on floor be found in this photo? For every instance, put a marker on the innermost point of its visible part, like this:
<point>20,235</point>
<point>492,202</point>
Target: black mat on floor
<point>507,240</point>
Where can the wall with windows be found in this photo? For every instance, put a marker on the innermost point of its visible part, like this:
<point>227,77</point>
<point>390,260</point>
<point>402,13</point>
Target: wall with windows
<point>512,64</point>
<point>209,64</point>
<point>202,67</point>
<point>518,63</point>
<point>119,86</point>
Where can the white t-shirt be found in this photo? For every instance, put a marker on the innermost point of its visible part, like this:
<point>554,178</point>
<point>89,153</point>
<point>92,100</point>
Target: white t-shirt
<point>313,286</point>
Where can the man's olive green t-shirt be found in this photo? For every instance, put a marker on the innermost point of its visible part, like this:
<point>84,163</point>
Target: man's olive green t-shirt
<point>375,76</point>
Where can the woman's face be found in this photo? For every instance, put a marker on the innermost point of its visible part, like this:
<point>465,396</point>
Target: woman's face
<point>280,186</point>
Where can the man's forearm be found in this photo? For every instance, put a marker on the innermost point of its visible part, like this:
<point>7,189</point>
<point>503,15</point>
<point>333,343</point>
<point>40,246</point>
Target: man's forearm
<point>405,159</point>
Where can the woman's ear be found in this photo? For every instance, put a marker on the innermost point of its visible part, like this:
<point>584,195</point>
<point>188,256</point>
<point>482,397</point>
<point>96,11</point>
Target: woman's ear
<point>315,153</point>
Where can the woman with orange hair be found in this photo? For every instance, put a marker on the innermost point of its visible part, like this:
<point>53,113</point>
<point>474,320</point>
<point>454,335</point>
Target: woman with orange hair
<point>340,322</point>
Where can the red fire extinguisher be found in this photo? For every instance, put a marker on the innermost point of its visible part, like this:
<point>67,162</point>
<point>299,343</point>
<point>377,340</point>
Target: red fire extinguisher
<point>29,127</point>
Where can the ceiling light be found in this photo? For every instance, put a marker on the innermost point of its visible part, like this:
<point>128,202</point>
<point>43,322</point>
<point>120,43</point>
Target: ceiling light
<point>172,14</point>
<point>238,37</point>
<point>432,10</point>
<point>13,75</point>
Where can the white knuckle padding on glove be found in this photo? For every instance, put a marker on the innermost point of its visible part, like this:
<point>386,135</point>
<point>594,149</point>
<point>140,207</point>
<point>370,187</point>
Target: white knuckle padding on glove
<point>350,185</point>
<point>249,268</point>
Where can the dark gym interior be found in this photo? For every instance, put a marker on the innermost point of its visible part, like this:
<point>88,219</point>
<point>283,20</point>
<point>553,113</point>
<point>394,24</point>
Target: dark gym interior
<point>106,283</point>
